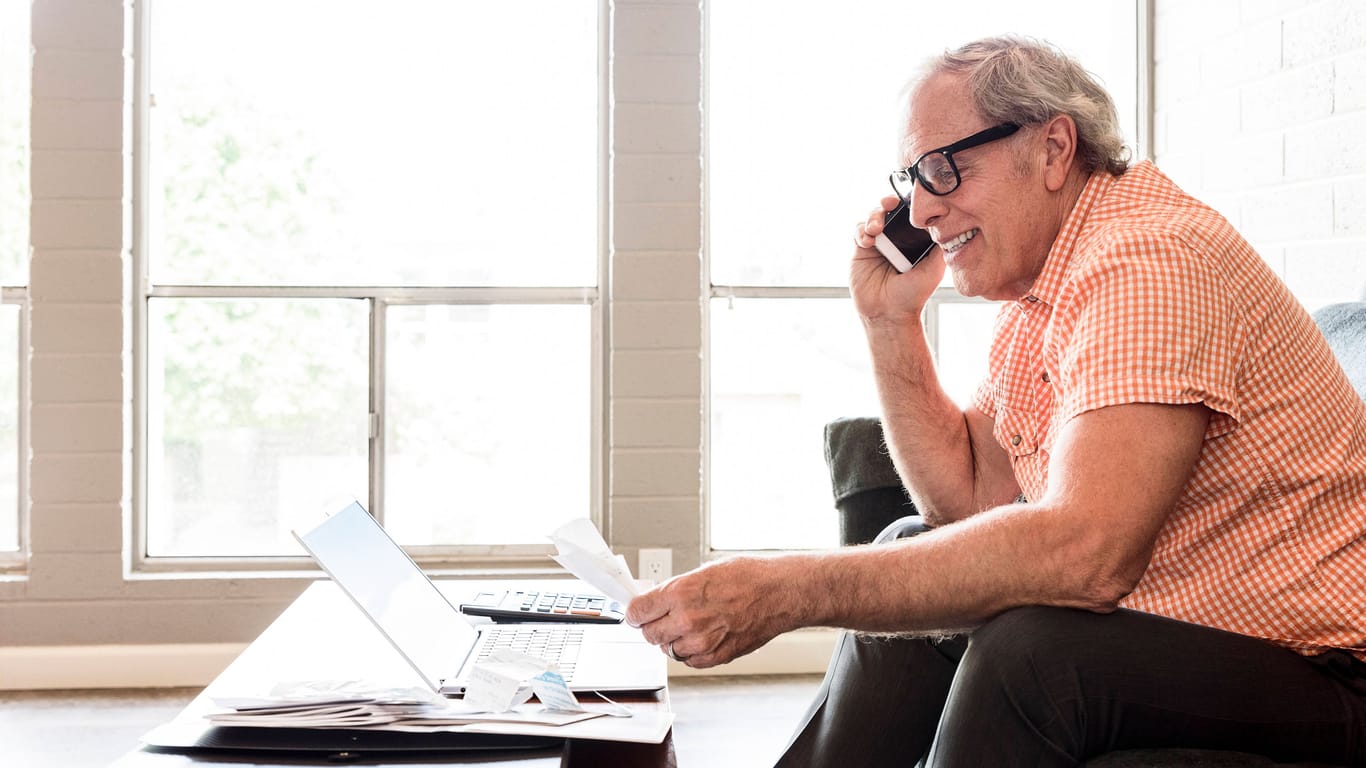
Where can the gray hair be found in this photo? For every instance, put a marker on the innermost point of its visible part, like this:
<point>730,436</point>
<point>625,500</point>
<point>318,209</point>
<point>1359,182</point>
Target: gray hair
<point>1028,82</point>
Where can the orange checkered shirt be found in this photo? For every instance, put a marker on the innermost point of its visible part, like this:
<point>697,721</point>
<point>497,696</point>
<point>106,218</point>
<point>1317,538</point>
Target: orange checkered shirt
<point>1149,296</point>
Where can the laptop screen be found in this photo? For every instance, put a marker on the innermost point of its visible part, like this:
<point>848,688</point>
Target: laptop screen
<point>392,590</point>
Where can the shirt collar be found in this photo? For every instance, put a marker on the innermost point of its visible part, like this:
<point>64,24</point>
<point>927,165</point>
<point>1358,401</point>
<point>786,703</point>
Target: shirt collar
<point>1049,283</point>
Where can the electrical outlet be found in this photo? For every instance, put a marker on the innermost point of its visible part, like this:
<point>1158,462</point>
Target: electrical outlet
<point>656,565</point>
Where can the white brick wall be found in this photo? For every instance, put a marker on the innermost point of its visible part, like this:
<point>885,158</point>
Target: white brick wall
<point>1260,111</point>
<point>654,495</point>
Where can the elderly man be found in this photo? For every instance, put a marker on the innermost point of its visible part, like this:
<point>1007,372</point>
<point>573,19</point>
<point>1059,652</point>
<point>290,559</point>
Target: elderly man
<point>1147,528</point>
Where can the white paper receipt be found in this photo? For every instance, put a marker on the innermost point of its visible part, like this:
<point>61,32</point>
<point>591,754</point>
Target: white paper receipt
<point>582,551</point>
<point>507,679</point>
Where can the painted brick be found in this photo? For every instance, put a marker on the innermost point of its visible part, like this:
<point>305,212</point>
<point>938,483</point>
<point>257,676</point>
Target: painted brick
<point>1327,148</point>
<point>1184,26</point>
<point>1259,10</point>
<point>1349,83</point>
<point>1349,208</point>
<point>58,528</point>
<point>77,276</point>
<point>639,276</point>
<point>65,329</point>
<point>647,129</point>
<point>658,227</point>
<point>1304,212</point>
<point>657,179</point>
<point>66,74</point>
<point>77,174</point>
<point>1325,273</point>
<point>657,79</point>
<point>657,29</point>
<point>79,24</point>
<point>74,125</point>
<point>656,374</point>
<point>660,522</point>
<point>657,325</point>
<point>1288,98</point>
<point>1245,162</point>
<point>81,224</point>
<point>76,576</point>
<point>76,478</point>
<point>667,473</point>
<point>1254,52</point>
<point>656,423</point>
<point>1176,78</point>
<point>1325,31</point>
<point>1202,123</point>
<point>76,379</point>
<point>77,428</point>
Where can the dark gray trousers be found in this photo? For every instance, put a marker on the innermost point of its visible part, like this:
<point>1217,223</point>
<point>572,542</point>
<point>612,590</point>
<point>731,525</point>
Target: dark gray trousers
<point>1053,687</point>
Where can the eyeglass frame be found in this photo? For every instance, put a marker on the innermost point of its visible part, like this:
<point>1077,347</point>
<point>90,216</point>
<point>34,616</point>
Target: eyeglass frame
<point>984,136</point>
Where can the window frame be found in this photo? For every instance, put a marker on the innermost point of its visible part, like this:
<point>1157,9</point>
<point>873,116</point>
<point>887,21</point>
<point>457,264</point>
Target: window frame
<point>945,294</point>
<point>472,559</point>
<point>17,559</point>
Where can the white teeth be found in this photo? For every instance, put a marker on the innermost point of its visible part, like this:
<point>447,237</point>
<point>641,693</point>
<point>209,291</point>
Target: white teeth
<point>959,242</point>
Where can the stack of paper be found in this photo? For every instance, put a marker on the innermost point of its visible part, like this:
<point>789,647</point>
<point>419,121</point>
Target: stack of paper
<point>398,710</point>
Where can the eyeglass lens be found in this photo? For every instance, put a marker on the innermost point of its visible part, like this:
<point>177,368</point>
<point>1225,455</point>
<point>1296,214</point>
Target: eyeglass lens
<point>934,170</point>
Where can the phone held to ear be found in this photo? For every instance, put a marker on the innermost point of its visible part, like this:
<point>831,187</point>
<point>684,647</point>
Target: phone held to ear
<point>902,243</point>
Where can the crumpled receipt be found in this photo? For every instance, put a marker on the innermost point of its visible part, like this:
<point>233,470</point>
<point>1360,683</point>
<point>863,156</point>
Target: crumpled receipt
<point>508,678</point>
<point>583,553</point>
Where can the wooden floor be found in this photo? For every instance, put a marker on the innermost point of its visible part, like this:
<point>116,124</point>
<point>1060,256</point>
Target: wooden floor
<point>721,721</point>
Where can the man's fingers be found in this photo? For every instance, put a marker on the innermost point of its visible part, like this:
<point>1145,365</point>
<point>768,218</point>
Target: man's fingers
<point>645,608</point>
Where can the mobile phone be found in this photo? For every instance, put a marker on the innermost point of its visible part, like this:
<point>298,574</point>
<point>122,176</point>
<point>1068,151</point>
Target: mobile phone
<point>901,242</point>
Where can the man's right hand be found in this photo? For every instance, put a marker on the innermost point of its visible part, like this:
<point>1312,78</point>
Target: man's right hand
<point>880,292</point>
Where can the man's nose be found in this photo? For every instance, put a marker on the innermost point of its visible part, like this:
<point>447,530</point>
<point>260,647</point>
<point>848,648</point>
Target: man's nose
<point>924,207</point>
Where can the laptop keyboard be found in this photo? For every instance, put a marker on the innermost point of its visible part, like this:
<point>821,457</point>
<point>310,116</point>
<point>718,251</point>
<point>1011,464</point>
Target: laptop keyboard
<point>559,643</point>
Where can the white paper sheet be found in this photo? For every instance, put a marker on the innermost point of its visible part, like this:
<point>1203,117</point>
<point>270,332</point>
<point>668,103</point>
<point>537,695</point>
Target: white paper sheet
<point>582,551</point>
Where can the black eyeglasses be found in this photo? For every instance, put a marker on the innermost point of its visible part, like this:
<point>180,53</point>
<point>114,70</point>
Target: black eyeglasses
<point>936,170</point>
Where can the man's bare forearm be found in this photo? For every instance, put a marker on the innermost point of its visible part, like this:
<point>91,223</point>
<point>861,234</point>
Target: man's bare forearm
<point>927,433</point>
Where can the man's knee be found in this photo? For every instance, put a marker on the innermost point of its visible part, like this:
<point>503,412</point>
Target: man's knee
<point>1030,628</point>
<point>1027,654</point>
<point>1018,677</point>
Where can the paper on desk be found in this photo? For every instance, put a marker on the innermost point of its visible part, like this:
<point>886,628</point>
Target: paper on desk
<point>582,551</point>
<point>356,704</point>
<point>508,678</point>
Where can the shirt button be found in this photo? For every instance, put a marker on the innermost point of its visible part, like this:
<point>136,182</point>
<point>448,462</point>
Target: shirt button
<point>1016,440</point>
<point>1046,379</point>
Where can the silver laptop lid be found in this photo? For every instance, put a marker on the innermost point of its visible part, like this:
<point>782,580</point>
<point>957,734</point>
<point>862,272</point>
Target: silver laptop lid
<point>392,590</point>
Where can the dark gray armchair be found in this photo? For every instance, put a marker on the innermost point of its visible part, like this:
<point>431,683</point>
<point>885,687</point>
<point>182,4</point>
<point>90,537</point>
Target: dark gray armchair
<point>873,506</point>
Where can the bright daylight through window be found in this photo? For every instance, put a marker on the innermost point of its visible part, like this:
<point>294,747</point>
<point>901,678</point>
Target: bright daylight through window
<point>784,193</point>
<point>14,216</point>
<point>331,308</point>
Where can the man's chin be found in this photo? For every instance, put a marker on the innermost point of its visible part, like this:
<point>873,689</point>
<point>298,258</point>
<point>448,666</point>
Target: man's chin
<point>964,284</point>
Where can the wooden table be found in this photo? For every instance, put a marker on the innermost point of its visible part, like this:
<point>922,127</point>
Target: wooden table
<point>323,636</point>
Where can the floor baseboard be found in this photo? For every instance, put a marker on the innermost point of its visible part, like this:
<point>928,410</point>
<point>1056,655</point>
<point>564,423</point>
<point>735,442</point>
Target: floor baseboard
<point>38,668</point>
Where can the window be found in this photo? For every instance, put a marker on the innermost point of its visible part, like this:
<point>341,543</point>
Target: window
<point>14,239</point>
<point>371,271</point>
<point>784,192</point>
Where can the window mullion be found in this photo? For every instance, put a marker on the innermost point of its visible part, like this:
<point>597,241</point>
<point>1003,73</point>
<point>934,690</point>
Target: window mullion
<point>379,308</point>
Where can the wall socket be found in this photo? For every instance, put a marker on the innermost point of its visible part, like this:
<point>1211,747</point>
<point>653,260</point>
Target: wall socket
<point>655,565</point>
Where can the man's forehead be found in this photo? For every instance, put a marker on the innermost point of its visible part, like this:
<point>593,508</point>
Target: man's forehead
<point>941,112</point>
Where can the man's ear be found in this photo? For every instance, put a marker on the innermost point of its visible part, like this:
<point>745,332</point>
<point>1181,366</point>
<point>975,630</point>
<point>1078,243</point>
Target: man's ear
<point>1060,147</point>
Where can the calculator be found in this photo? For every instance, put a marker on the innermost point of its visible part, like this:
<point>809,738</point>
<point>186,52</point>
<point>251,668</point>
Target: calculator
<point>528,605</point>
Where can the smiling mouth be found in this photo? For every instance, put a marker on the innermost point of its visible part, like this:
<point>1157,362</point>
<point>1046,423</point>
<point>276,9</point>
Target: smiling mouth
<point>958,242</point>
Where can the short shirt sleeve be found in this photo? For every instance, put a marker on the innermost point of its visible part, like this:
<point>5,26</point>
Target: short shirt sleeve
<point>1146,320</point>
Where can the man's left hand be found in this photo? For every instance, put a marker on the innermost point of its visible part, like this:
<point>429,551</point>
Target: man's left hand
<point>716,613</point>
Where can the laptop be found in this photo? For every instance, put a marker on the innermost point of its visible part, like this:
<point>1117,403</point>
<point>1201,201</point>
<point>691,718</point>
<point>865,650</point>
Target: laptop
<point>440,642</point>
